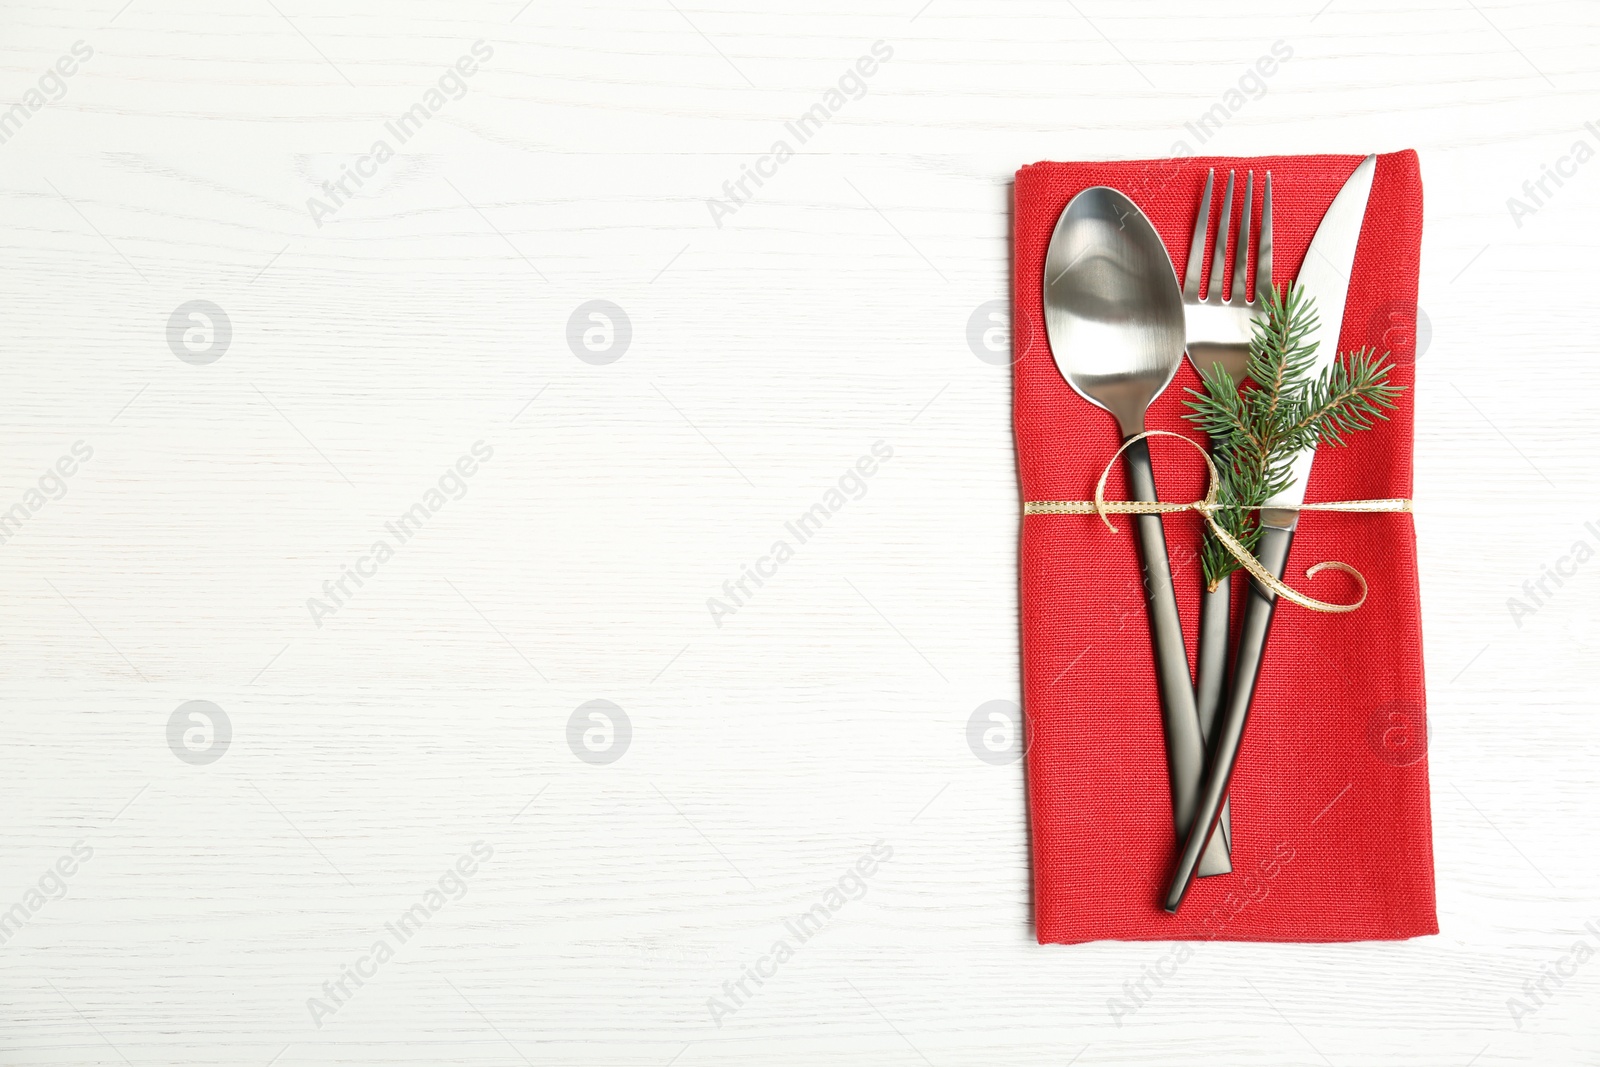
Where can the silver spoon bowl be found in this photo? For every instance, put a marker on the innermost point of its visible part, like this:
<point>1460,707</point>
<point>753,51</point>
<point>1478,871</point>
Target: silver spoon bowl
<point>1112,306</point>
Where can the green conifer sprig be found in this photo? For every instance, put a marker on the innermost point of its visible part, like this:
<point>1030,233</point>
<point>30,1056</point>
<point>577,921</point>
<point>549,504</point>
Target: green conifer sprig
<point>1258,427</point>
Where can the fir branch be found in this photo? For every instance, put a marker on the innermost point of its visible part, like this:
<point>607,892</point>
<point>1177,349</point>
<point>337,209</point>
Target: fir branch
<point>1259,426</point>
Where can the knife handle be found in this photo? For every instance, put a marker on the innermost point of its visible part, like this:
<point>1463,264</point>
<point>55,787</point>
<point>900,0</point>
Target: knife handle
<point>1179,721</point>
<point>1273,552</point>
<point>1211,683</point>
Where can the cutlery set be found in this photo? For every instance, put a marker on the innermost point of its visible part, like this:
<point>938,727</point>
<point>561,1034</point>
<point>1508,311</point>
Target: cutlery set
<point>1119,326</point>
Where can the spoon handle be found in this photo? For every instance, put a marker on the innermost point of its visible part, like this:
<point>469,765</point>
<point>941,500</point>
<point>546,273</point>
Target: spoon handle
<point>1179,720</point>
<point>1273,552</point>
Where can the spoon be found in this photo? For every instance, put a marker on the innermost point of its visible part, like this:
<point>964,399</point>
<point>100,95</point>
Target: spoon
<point>1114,316</point>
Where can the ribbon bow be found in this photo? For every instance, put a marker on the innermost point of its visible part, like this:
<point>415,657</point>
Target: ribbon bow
<point>1208,506</point>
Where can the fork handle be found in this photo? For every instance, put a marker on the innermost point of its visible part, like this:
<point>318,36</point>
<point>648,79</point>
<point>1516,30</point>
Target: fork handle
<point>1211,681</point>
<point>1179,720</point>
<point>1273,552</point>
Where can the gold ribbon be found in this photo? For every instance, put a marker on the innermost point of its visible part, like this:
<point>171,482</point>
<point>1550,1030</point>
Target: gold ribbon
<point>1208,507</point>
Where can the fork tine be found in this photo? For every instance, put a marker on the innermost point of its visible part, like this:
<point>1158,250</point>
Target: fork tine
<point>1219,258</point>
<point>1264,256</point>
<point>1241,252</point>
<point>1197,245</point>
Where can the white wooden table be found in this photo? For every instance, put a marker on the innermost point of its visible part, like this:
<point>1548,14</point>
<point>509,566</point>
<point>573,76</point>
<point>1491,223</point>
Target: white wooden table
<point>177,900</point>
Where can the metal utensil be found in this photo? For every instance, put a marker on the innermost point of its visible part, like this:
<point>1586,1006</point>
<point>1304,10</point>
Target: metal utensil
<point>1325,275</point>
<point>1114,317</point>
<point>1218,327</point>
<point>1217,322</point>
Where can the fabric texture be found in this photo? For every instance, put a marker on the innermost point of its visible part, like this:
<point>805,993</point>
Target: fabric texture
<point>1332,835</point>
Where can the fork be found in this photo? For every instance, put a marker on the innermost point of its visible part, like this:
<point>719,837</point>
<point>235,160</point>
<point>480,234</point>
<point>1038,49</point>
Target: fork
<point>1217,328</point>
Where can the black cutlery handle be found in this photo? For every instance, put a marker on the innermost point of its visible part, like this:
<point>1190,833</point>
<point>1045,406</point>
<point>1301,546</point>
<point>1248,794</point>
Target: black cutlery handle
<point>1211,683</point>
<point>1211,670</point>
<point>1273,552</point>
<point>1180,723</point>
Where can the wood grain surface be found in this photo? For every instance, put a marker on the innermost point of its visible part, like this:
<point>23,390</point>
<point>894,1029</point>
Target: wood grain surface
<point>183,488</point>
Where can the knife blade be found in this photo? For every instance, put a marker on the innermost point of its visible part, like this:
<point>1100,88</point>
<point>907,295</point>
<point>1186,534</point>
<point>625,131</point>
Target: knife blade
<point>1325,276</point>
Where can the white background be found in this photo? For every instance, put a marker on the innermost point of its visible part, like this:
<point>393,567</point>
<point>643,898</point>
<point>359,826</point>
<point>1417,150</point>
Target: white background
<point>830,312</point>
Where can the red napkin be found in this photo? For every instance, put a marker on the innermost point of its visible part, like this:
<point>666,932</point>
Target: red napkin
<point>1331,827</point>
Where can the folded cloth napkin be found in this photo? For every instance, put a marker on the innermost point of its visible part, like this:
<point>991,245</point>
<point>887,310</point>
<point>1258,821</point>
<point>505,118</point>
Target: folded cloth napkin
<point>1331,827</point>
